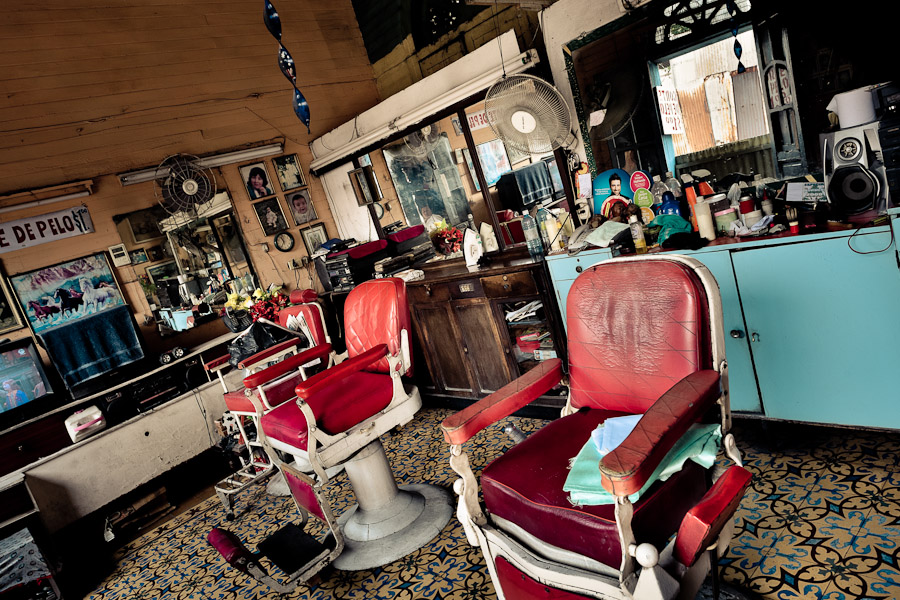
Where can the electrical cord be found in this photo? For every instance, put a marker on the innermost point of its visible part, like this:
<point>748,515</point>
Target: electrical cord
<point>855,233</point>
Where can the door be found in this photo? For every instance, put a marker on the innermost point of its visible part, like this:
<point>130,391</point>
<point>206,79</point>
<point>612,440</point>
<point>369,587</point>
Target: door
<point>482,345</point>
<point>823,328</point>
<point>446,364</point>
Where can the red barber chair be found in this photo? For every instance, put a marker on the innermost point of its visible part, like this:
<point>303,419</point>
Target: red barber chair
<point>645,338</point>
<point>339,416</point>
<point>246,406</point>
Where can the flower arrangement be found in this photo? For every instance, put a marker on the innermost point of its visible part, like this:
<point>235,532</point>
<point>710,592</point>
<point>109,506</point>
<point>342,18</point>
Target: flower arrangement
<point>261,303</point>
<point>448,239</point>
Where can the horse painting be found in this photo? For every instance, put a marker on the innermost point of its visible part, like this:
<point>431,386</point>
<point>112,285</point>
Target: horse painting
<point>96,297</point>
<point>70,301</point>
<point>42,312</point>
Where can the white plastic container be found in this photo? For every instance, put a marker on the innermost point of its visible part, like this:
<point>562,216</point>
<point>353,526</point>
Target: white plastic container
<point>85,423</point>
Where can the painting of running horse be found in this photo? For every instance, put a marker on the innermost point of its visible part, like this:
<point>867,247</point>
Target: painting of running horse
<point>63,293</point>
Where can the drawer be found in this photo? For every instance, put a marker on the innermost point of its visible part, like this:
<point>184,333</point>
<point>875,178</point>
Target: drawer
<point>428,293</point>
<point>468,288</point>
<point>511,284</point>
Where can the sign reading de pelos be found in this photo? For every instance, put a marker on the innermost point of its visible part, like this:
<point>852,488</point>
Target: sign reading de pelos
<point>32,231</point>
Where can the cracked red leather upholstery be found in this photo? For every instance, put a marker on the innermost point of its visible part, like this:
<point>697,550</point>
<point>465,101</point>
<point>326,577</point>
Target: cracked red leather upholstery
<point>636,330</point>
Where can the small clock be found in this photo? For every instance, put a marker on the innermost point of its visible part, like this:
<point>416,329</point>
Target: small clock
<point>379,210</point>
<point>284,241</point>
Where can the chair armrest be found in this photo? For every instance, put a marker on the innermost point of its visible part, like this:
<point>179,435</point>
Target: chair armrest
<point>216,363</point>
<point>308,388</point>
<point>287,365</point>
<point>627,468</point>
<point>270,352</point>
<point>461,426</point>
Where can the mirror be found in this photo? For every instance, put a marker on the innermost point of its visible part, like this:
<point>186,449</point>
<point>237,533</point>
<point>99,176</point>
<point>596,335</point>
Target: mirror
<point>186,264</point>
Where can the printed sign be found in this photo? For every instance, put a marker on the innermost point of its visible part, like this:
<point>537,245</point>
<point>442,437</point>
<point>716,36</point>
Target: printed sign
<point>477,120</point>
<point>32,231</point>
<point>669,110</point>
<point>640,181</point>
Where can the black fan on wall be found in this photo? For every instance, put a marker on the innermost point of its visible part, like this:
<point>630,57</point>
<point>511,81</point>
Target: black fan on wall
<point>616,94</point>
<point>182,187</point>
<point>422,142</point>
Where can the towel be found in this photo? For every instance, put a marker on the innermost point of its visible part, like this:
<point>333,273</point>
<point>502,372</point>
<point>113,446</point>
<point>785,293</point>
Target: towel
<point>94,345</point>
<point>700,444</point>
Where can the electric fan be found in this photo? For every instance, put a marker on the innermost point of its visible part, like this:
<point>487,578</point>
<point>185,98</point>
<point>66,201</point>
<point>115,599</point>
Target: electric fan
<point>422,142</point>
<point>182,187</point>
<point>615,95</point>
<point>528,114</point>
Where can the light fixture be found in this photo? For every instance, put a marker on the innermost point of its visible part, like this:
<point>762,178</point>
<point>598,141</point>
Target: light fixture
<point>24,205</point>
<point>207,162</point>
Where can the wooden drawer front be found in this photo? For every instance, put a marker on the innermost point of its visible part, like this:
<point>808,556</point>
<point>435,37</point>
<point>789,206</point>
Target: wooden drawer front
<point>511,284</point>
<point>15,502</point>
<point>468,288</point>
<point>428,293</point>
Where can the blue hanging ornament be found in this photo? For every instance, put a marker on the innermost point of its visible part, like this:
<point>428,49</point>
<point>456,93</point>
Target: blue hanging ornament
<point>738,49</point>
<point>272,20</point>
<point>741,68</point>
<point>286,63</point>
<point>301,108</point>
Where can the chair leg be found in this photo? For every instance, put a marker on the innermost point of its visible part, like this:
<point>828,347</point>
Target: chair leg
<point>388,522</point>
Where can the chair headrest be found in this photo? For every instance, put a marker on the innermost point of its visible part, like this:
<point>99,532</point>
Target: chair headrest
<point>303,296</point>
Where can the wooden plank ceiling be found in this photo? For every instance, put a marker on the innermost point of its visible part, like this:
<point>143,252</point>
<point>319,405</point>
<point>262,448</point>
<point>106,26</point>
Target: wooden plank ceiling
<point>92,87</point>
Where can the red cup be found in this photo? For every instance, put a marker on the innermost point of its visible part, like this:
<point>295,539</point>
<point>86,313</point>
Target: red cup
<point>795,227</point>
<point>747,206</point>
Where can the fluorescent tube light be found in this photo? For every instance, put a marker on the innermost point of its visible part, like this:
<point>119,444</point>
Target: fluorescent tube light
<point>207,162</point>
<point>24,205</point>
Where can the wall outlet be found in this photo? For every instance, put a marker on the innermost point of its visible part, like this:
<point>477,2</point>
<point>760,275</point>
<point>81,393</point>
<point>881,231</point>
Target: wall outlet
<point>292,264</point>
<point>304,260</point>
<point>265,247</point>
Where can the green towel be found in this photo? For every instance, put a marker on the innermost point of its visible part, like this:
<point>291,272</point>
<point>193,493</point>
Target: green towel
<point>700,444</point>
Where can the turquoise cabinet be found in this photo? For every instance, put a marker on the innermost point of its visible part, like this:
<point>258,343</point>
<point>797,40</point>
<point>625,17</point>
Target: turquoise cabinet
<point>809,322</point>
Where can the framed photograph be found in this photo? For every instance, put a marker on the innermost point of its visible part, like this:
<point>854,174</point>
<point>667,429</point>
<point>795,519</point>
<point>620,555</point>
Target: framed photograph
<point>257,181</point>
<point>9,315</point>
<point>66,292</point>
<point>144,224</point>
<point>314,237</point>
<point>363,181</point>
<point>271,217</point>
<point>138,256</point>
<point>493,159</point>
<point>162,271</point>
<point>302,207</point>
<point>289,171</point>
<point>155,253</point>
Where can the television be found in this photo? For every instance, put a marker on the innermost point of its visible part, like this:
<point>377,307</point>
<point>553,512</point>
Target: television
<point>28,388</point>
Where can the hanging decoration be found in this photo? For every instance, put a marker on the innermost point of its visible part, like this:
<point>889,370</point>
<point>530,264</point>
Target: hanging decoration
<point>738,49</point>
<point>286,63</point>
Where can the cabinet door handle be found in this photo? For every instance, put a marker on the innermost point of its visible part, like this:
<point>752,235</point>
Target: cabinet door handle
<point>737,334</point>
<point>465,350</point>
<point>579,269</point>
<point>428,290</point>
<point>754,337</point>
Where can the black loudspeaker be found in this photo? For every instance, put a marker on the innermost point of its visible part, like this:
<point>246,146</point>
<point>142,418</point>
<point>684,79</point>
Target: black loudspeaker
<point>857,184</point>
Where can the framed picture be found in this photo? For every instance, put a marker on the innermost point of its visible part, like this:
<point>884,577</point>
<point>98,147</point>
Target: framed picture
<point>9,315</point>
<point>271,217</point>
<point>290,174</point>
<point>66,292</point>
<point>144,224</point>
<point>493,159</point>
<point>257,181</point>
<point>162,271</point>
<point>138,256</point>
<point>302,207</point>
<point>155,253</point>
<point>314,237</point>
<point>363,181</point>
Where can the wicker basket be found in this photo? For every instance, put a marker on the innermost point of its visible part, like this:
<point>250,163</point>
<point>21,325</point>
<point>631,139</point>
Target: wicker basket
<point>237,320</point>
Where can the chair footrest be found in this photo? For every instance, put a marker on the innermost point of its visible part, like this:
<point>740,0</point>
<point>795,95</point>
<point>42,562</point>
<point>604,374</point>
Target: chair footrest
<point>243,477</point>
<point>703,523</point>
<point>291,548</point>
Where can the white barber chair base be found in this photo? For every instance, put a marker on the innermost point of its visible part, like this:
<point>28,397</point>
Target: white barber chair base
<point>388,522</point>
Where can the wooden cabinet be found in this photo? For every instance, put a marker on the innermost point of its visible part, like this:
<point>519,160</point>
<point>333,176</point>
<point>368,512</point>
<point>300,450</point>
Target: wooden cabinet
<point>460,320</point>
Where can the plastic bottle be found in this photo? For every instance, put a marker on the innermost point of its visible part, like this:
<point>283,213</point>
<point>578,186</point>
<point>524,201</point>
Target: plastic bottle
<point>673,184</point>
<point>551,229</point>
<point>540,220</point>
<point>637,234</point>
<point>532,237</point>
<point>658,189</point>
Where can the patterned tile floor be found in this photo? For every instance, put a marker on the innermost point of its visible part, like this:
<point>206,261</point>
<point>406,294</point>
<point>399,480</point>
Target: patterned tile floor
<point>820,521</point>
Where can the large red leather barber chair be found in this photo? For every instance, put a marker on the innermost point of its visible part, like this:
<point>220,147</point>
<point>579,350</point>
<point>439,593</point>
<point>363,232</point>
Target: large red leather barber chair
<point>645,338</point>
<point>339,416</point>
